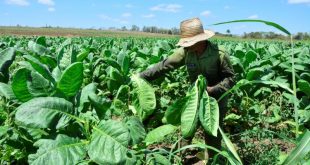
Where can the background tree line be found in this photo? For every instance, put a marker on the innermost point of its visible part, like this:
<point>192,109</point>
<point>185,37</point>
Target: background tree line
<point>254,35</point>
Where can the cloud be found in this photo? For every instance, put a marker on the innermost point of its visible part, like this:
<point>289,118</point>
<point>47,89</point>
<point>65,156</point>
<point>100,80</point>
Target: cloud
<point>206,13</point>
<point>129,6</point>
<point>108,18</point>
<point>299,1</point>
<point>255,16</point>
<point>148,16</point>
<point>51,9</point>
<point>173,8</point>
<point>47,2</point>
<point>126,15</point>
<point>226,7</point>
<point>17,2</point>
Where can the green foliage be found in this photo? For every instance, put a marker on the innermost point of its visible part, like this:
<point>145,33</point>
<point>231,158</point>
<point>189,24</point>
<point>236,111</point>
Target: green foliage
<point>71,79</point>
<point>301,151</point>
<point>146,101</point>
<point>158,134</point>
<point>110,138</point>
<point>71,100</point>
<point>63,150</point>
<point>209,114</point>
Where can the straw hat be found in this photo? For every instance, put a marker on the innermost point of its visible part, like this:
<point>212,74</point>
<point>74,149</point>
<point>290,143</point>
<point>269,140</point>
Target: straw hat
<point>192,32</point>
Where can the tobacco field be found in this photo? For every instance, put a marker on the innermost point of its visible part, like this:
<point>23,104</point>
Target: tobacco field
<point>79,101</point>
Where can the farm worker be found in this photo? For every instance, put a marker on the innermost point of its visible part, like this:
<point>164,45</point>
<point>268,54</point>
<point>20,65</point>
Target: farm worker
<point>200,57</point>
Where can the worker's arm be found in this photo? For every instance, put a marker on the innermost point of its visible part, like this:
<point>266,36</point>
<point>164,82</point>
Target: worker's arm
<point>172,62</point>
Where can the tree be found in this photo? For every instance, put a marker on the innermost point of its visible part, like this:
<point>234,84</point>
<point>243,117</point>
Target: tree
<point>135,28</point>
<point>228,31</point>
<point>124,28</point>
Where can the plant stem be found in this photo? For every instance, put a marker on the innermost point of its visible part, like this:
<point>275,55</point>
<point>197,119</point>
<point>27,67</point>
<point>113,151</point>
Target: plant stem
<point>294,88</point>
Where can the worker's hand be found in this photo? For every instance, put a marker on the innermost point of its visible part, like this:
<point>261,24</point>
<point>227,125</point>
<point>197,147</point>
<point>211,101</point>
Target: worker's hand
<point>209,89</point>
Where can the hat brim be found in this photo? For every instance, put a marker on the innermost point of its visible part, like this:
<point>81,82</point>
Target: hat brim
<point>187,42</point>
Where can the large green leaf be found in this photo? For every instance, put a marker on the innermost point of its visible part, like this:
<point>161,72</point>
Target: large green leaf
<point>66,56</point>
<point>86,92</point>
<point>230,146</point>
<point>146,97</point>
<point>189,117</point>
<point>174,111</point>
<point>123,93</point>
<point>63,150</point>
<point>115,79</point>
<point>124,61</point>
<point>157,159</point>
<point>250,57</point>
<point>109,143</point>
<point>254,74</point>
<point>304,86</point>
<point>40,68</point>
<point>7,57</point>
<point>38,85</point>
<point>37,48</point>
<point>6,91</point>
<point>136,130</point>
<point>71,79</point>
<point>209,114</point>
<point>45,112</point>
<point>82,55</point>
<point>19,85</point>
<point>159,133</point>
<point>101,104</point>
<point>261,21</point>
<point>302,149</point>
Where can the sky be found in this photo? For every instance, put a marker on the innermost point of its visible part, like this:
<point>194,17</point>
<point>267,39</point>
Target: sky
<point>291,14</point>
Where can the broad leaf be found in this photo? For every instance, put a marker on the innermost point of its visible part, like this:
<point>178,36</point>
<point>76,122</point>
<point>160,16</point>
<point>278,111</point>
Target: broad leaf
<point>302,149</point>
<point>109,143</point>
<point>63,150</point>
<point>250,57</point>
<point>7,57</point>
<point>45,112</point>
<point>136,130</point>
<point>38,85</point>
<point>124,61</point>
<point>71,79</point>
<point>304,86</point>
<point>115,79</point>
<point>254,74</point>
<point>101,104</point>
<point>189,117</point>
<point>174,111</point>
<point>86,91</point>
<point>146,97</point>
<point>19,85</point>
<point>159,133</point>
<point>37,48</point>
<point>6,91</point>
<point>123,93</point>
<point>81,56</point>
<point>40,68</point>
<point>209,114</point>
<point>158,159</point>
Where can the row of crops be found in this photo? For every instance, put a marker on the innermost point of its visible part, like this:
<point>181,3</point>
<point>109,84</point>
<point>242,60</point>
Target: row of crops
<point>79,101</point>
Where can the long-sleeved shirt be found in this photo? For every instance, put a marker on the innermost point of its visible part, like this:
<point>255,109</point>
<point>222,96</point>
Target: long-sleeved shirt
<point>213,63</point>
